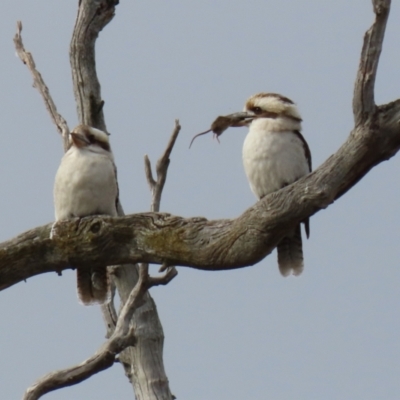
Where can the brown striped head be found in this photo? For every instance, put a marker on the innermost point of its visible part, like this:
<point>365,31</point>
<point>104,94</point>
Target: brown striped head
<point>86,136</point>
<point>272,105</point>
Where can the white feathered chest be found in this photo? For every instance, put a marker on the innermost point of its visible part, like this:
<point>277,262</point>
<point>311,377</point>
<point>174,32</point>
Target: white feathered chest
<point>273,158</point>
<point>85,184</point>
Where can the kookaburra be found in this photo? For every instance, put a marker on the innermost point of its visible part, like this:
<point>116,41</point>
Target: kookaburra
<point>86,184</point>
<point>275,154</point>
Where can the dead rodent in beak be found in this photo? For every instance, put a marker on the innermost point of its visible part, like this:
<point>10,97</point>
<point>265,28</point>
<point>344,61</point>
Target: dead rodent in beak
<point>223,122</point>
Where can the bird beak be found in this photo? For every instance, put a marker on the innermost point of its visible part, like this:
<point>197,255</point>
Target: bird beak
<point>241,118</point>
<point>79,140</point>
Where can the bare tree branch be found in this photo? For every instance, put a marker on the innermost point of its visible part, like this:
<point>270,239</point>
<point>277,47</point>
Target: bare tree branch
<point>149,173</point>
<point>157,186</point>
<point>196,242</point>
<point>39,84</point>
<point>160,238</point>
<point>143,364</point>
<point>162,168</point>
<point>105,357</point>
<point>363,100</point>
<point>92,17</point>
<point>164,279</point>
<point>110,315</point>
<point>131,306</point>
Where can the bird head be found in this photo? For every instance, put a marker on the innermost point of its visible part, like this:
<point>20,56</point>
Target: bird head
<point>272,105</point>
<point>86,136</point>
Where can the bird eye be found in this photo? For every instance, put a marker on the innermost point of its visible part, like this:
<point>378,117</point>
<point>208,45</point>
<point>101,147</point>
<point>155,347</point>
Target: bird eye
<point>91,138</point>
<point>256,110</point>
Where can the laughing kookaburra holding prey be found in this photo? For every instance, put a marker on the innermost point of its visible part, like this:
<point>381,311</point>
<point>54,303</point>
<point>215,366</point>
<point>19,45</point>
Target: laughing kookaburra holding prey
<point>275,154</point>
<point>86,184</point>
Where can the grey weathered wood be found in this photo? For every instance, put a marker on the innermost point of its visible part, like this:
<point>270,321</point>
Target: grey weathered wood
<point>92,17</point>
<point>363,99</point>
<point>122,337</point>
<point>143,364</point>
<point>196,242</point>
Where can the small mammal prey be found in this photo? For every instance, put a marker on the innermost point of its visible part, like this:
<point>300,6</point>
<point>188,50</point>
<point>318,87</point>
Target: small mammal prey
<point>223,122</point>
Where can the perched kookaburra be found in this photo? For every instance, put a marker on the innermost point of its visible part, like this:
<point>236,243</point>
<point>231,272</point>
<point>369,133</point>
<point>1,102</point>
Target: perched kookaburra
<point>86,184</point>
<point>275,154</point>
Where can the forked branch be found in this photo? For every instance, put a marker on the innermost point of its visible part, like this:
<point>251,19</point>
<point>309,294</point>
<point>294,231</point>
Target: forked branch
<point>157,186</point>
<point>105,356</point>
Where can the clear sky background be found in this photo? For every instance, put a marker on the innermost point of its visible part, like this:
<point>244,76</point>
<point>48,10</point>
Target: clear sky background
<point>332,333</point>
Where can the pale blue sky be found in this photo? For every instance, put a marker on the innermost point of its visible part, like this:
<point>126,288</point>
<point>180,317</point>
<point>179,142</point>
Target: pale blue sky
<point>246,334</point>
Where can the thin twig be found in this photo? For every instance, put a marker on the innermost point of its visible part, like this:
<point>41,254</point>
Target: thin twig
<point>161,169</point>
<point>156,188</point>
<point>39,84</point>
<point>149,173</point>
<point>163,279</point>
<point>165,157</point>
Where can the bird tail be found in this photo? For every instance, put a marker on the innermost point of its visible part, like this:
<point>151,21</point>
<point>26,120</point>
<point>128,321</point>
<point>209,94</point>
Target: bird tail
<point>93,285</point>
<point>290,254</point>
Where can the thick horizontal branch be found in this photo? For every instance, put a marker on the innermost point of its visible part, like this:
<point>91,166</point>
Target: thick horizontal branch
<point>210,245</point>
